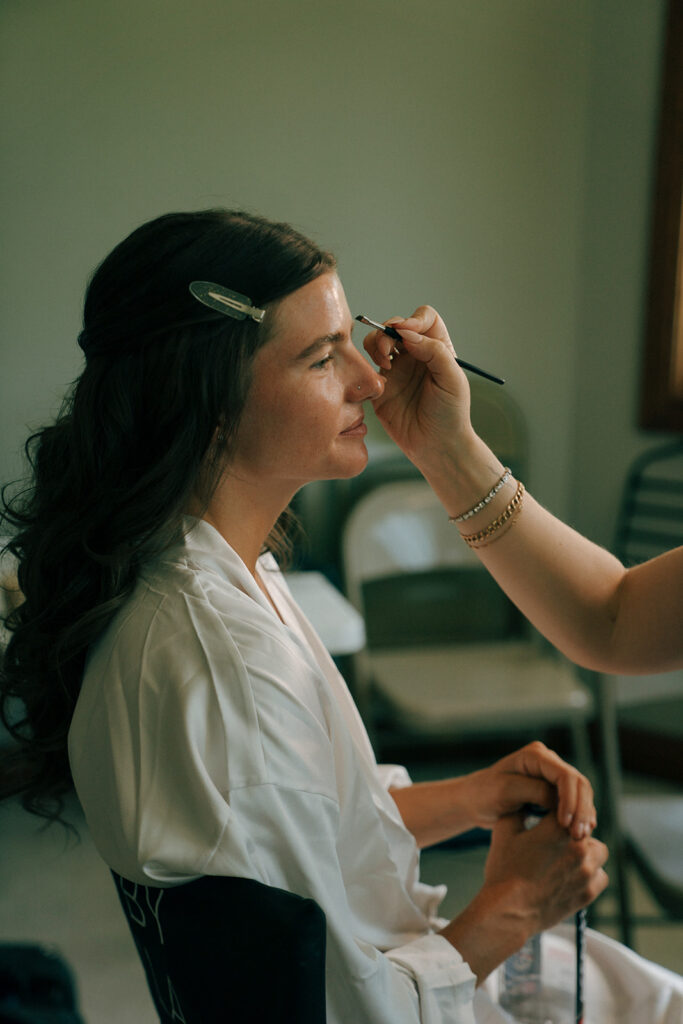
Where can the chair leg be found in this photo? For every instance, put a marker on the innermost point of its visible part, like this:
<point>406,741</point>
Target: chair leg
<point>583,757</point>
<point>610,800</point>
<point>624,895</point>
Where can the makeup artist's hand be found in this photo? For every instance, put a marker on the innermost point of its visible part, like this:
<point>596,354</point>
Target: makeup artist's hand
<point>425,406</point>
<point>533,775</point>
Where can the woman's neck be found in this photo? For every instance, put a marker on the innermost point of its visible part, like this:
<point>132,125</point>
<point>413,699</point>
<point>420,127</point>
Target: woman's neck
<point>244,514</point>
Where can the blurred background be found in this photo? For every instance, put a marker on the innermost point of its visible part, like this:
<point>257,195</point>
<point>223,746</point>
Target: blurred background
<point>494,159</point>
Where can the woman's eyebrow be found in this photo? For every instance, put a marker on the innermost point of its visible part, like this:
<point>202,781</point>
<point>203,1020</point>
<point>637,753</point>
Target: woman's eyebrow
<point>326,339</point>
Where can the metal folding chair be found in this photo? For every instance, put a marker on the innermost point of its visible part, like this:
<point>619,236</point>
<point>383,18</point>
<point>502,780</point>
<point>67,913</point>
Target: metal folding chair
<point>644,832</point>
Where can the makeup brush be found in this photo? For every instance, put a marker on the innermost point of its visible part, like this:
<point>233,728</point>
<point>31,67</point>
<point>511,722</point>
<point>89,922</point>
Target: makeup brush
<point>393,333</point>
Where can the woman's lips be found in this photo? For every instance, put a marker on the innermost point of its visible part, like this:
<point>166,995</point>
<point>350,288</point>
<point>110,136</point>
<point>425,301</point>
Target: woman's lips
<point>357,429</point>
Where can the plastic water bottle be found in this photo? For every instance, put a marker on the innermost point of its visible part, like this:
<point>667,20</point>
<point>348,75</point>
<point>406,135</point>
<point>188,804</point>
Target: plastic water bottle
<point>521,983</point>
<point>521,990</point>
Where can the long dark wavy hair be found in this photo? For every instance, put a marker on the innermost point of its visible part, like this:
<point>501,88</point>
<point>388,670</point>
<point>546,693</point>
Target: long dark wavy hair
<point>147,425</point>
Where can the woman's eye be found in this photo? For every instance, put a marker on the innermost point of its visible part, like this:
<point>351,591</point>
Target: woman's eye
<point>322,362</point>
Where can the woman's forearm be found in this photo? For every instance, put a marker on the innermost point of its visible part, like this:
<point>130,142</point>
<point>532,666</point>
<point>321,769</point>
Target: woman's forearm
<point>434,811</point>
<point>577,594</point>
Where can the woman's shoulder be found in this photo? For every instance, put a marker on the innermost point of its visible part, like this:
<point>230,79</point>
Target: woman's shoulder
<point>195,610</point>
<point>174,600</point>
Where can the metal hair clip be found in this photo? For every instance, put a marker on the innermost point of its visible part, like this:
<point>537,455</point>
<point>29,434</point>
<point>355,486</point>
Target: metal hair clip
<point>216,296</point>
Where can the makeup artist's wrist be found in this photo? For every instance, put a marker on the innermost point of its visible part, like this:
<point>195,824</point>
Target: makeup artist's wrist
<point>461,473</point>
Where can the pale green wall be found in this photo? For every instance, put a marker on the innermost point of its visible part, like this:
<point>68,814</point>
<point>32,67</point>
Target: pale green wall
<point>491,157</point>
<point>620,161</point>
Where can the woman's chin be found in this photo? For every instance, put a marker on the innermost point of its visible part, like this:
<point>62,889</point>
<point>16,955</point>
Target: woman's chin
<point>351,465</point>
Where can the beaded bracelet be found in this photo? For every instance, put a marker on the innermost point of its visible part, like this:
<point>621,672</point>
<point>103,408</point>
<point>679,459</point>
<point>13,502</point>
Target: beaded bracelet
<point>484,501</point>
<point>482,537</point>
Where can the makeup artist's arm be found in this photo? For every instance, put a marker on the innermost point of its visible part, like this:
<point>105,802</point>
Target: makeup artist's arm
<point>577,594</point>
<point>434,811</point>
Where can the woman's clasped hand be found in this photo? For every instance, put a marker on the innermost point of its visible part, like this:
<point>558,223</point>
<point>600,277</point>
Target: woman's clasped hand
<point>534,775</point>
<point>533,878</point>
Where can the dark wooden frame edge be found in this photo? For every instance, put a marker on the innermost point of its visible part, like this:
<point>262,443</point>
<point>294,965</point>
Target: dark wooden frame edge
<point>661,407</point>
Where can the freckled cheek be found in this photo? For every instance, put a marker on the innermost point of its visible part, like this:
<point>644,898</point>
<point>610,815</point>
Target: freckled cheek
<point>302,419</point>
<point>315,409</point>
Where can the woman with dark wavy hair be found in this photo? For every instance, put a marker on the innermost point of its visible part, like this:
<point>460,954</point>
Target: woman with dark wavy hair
<point>144,432</point>
<point>164,668</point>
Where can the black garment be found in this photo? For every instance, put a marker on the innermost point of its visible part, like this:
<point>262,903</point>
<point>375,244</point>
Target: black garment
<point>221,949</point>
<point>36,987</point>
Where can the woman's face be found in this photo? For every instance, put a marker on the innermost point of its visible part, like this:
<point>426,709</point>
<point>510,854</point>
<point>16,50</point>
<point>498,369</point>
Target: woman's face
<point>303,418</point>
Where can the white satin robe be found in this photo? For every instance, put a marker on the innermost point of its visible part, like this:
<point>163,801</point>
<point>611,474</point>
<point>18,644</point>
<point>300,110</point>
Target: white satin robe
<point>211,738</point>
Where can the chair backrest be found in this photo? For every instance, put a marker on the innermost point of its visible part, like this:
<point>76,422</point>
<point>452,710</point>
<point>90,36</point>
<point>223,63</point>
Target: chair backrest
<point>650,522</point>
<point>650,517</point>
<point>500,422</point>
<point>400,527</point>
<point>415,581</point>
<point>222,948</point>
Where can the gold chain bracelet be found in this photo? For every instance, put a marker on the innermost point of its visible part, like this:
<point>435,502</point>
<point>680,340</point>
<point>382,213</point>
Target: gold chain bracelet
<point>483,536</point>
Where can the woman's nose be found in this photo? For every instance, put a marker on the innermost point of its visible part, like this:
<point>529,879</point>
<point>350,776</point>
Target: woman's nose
<point>368,383</point>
